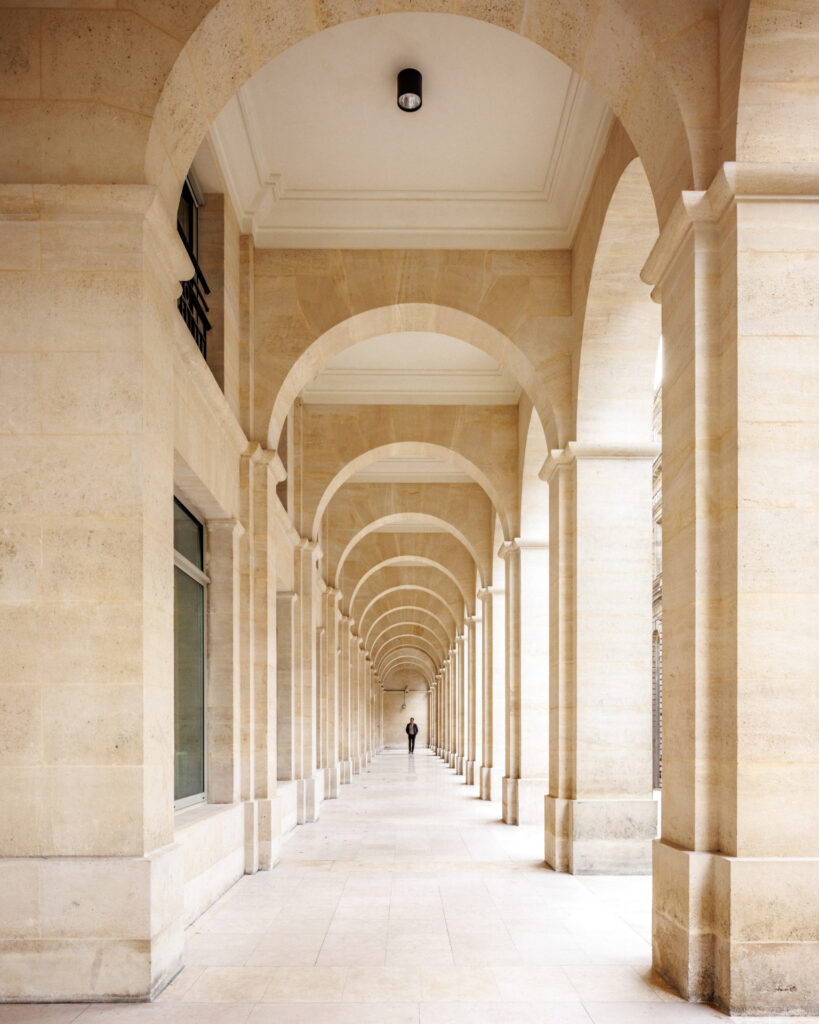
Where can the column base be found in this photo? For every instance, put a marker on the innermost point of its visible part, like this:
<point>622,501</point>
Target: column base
<point>523,800</point>
<point>472,772</point>
<point>69,904</point>
<point>263,832</point>
<point>738,932</point>
<point>491,783</point>
<point>460,763</point>
<point>451,758</point>
<point>346,772</point>
<point>332,781</point>
<point>599,837</point>
<point>310,794</point>
<point>356,763</point>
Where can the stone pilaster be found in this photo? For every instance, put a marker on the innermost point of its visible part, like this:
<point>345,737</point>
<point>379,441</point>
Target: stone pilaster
<point>460,705</point>
<point>309,780</point>
<point>736,272</point>
<point>473,698</point>
<point>600,812</point>
<point>510,552</point>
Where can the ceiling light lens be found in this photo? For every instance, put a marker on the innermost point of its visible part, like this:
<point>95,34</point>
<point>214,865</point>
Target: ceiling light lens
<point>409,89</point>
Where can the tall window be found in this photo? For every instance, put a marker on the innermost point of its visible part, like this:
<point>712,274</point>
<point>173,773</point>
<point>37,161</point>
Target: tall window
<point>190,582</point>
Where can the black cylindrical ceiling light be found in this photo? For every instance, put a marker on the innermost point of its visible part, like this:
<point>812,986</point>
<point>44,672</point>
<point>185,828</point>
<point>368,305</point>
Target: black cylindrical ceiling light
<point>409,90</point>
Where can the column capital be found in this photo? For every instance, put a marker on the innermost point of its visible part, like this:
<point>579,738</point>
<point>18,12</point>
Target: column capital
<point>258,454</point>
<point>305,545</point>
<point>460,639</point>
<point>562,458</point>
<point>227,525</point>
<point>287,596</point>
<point>508,548</point>
<point>733,183</point>
<point>487,593</point>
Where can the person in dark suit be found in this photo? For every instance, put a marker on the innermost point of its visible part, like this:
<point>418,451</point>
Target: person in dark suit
<point>412,732</point>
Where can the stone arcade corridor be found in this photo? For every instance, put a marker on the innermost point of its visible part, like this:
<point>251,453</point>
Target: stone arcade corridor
<point>408,902</point>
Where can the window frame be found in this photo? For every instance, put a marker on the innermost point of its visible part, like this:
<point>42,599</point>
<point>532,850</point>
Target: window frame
<point>201,577</point>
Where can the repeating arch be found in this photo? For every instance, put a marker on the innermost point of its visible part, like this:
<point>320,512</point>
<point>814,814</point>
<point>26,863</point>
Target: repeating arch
<point>406,560</point>
<point>420,519</point>
<point>408,610</point>
<point>400,449</point>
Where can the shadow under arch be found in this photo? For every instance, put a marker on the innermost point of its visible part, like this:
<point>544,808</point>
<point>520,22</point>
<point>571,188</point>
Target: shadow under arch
<point>415,562</point>
<point>401,643</point>
<point>398,449</point>
<point>421,519</point>
<point>412,316</point>
<point>407,657</point>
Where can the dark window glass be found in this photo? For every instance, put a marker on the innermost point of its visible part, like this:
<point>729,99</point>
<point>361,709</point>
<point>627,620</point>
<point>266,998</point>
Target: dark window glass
<point>189,686</point>
<point>187,534</point>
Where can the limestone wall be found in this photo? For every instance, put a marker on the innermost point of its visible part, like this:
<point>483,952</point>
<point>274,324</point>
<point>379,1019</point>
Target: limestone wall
<point>395,720</point>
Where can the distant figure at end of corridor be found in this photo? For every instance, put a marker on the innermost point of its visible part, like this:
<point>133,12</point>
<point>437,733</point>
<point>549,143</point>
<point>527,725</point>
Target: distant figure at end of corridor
<point>412,732</point>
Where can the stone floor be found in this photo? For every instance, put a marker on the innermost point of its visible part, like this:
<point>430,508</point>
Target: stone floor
<point>409,903</point>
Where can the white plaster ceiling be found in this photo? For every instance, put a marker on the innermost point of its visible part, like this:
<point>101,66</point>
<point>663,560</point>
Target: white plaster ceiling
<point>315,152</point>
<point>413,368</point>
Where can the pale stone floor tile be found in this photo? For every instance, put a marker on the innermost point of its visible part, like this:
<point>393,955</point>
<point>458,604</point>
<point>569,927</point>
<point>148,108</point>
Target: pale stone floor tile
<point>611,984</point>
<point>382,985</point>
<point>305,985</point>
<point>535,985</point>
<point>229,985</point>
<point>408,902</point>
<point>335,1013</point>
<point>167,1013</point>
<point>502,1013</point>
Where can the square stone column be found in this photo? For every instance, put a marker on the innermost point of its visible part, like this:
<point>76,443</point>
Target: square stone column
<point>600,813</point>
<point>332,736</point>
<point>310,780</point>
<point>736,872</point>
<point>286,626</point>
<point>528,724</point>
<point>460,705</point>
<point>91,880</point>
<point>345,722</point>
<point>493,694</point>
<point>473,699</point>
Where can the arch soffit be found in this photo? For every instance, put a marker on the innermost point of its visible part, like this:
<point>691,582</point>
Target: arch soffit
<point>415,563</point>
<point>409,625</point>
<point>649,89</point>
<point>415,643</point>
<point>408,656</point>
<point>404,589</point>
<point>621,323</point>
<point>407,611</point>
<point>405,631</point>
<point>422,519</point>
<point>381,546</point>
<point>491,487</point>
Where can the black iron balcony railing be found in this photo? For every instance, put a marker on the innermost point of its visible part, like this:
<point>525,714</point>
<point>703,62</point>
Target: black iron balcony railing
<point>192,304</point>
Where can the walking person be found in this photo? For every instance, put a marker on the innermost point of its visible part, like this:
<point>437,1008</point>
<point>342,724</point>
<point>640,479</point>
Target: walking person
<point>412,732</point>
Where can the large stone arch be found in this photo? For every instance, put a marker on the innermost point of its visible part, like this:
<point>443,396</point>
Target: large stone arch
<point>647,61</point>
<point>390,598</point>
<point>323,311</point>
<point>426,579</point>
<point>418,660</point>
<point>462,510</point>
<point>773,99</point>
<point>622,325</point>
<point>397,645</point>
<point>416,612</point>
<point>379,547</point>
<point>409,562</point>
<point>406,630</point>
<point>480,441</point>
